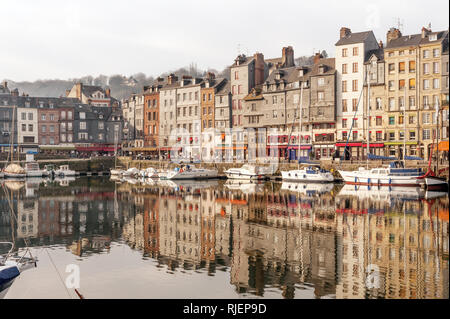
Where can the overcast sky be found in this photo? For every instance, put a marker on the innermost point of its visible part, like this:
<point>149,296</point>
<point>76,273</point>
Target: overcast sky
<point>49,39</point>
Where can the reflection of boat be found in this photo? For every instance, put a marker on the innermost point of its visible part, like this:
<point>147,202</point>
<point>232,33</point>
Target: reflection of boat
<point>64,170</point>
<point>188,183</point>
<point>393,175</point>
<point>307,188</point>
<point>248,171</point>
<point>64,180</point>
<point>191,172</point>
<point>130,180</point>
<point>246,187</point>
<point>116,172</point>
<point>311,173</point>
<point>382,193</point>
<point>14,185</point>
<point>32,170</point>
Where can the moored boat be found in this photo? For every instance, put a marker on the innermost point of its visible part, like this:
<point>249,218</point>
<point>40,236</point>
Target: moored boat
<point>393,175</point>
<point>32,170</point>
<point>191,172</point>
<point>248,171</point>
<point>64,170</point>
<point>14,171</point>
<point>313,174</point>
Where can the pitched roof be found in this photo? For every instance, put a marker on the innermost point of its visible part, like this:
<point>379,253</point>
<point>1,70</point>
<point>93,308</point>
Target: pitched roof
<point>404,41</point>
<point>88,90</point>
<point>224,89</point>
<point>356,37</point>
<point>379,53</point>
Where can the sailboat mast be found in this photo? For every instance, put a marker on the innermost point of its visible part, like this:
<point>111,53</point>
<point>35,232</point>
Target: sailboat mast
<point>437,137</point>
<point>300,125</point>
<point>368,118</point>
<point>404,129</point>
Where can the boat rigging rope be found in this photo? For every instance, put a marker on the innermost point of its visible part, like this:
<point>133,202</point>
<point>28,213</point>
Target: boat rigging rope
<point>59,275</point>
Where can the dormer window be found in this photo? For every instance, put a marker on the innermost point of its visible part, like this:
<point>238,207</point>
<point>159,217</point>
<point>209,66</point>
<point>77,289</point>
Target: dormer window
<point>41,104</point>
<point>301,72</point>
<point>278,76</point>
<point>52,105</point>
<point>321,69</point>
<point>27,104</point>
<point>432,37</point>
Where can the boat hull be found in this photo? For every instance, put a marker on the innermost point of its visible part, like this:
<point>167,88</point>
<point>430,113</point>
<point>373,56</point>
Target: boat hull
<point>197,174</point>
<point>358,178</point>
<point>302,176</point>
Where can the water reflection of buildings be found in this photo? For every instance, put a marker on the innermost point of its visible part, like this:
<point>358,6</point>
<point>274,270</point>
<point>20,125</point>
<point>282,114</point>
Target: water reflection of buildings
<point>403,241</point>
<point>304,243</point>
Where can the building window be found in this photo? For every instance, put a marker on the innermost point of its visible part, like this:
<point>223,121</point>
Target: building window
<point>354,104</point>
<point>426,68</point>
<point>82,125</point>
<point>391,120</point>
<point>391,85</point>
<point>344,123</point>
<point>426,54</point>
<point>344,52</point>
<point>435,83</point>
<point>82,115</point>
<point>379,105</point>
<point>355,85</point>
<point>412,119</point>
<point>426,134</point>
<point>43,117</point>
<point>412,84</point>
<point>344,68</point>
<point>30,127</point>
<point>391,67</point>
<point>435,52</point>
<point>412,66</point>
<point>355,51</point>
<point>43,128</point>
<point>426,84</point>
<point>236,75</point>
<point>101,125</point>
<point>412,135</point>
<point>320,96</point>
<point>344,105</point>
<point>52,128</point>
<point>401,67</point>
<point>378,121</point>
<point>401,84</point>
<point>412,102</point>
<point>391,136</point>
<point>355,67</point>
<point>344,86</point>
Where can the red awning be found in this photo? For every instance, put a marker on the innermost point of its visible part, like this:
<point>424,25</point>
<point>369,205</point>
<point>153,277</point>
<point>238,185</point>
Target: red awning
<point>349,144</point>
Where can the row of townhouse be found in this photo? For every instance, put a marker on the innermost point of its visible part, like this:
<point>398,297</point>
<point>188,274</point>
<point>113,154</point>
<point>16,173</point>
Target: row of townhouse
<point>64,124</point>
<point>259,105</point>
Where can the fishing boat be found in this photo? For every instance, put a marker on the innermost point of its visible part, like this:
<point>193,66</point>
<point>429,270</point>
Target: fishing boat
<point>191,172</point>
<point>32,170</point>
<point>248,171</point>
<point>64,170</point>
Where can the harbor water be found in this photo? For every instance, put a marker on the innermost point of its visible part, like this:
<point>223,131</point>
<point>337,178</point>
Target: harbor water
<point>221,239</point>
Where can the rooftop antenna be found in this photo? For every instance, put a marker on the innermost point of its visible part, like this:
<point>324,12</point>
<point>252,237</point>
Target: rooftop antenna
<point>400,24</point>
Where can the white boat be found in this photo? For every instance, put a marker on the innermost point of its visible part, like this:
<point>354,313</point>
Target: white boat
<point>382,193</point>
<point>14,171</point>
<point>32,170</point>
<point>116,172</point>
<point>191,172</point>
<point>64,170</point>
<point>307,188</point>
<point>11,266</point>
<point>313,174</point>
<point>149,172</point>
<point>435,183</point>
<point>132,171</point>
<point>392,175</point>
<point>248,171</point>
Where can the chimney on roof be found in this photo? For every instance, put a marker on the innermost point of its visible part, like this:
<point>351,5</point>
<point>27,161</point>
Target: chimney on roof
<point>171,79</point>
<point>108,92</point>
<point>317,57</point>
<point>210,76</point>
<point>5,84</point>
<point>79,89</point>
<point>393,34</point>
<point>381,44</point>
<point>15,92</point>
<point>287,59</point>
<point>426,31</point>
<point>345,32</point>
<point>259,68</point>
